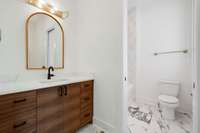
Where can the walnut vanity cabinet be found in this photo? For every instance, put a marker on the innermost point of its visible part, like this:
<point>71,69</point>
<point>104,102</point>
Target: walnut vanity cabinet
<point>62,109</point>
<point>18,113</point>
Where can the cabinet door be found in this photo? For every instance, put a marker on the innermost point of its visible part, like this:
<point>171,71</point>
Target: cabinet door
<point>6,121</point>
<point>72,107</point>
<point>50,111</point>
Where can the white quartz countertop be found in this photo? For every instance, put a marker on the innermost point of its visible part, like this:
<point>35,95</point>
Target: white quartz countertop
<point>23,86</point>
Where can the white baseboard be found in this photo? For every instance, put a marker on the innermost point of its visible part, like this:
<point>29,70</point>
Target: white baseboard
<point>102,125</point>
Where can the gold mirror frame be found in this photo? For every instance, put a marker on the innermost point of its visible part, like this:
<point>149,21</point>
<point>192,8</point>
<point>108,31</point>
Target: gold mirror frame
<point>27,40</point>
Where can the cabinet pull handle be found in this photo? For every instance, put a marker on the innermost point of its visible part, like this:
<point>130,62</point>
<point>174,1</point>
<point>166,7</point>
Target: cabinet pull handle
<point>65,91</point>
<point>87,115</point>
<point>20,101</point>
<point>19,125</point>
<point>86,98</point>
<point>61,91</point>
<point>87,85</point>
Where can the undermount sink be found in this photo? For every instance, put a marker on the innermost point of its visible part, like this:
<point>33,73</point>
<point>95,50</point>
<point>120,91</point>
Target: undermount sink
<point>53,80</point>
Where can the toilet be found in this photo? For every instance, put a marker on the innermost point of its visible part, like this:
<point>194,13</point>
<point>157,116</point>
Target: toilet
<point>168,100</point>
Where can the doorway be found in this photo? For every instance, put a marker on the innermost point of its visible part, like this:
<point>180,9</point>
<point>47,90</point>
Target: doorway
<point>149,66</point>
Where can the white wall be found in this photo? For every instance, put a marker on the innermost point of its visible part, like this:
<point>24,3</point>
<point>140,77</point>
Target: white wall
<point>164,26</point>
<point>131,54</point>
<point>99,44</point>
<point>13,15</point>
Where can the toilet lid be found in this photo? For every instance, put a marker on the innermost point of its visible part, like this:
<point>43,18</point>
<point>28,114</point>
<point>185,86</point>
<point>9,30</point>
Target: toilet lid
<point>168,99</point>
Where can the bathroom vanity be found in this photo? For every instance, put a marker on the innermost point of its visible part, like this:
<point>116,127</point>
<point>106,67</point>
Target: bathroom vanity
<point>50,108</point>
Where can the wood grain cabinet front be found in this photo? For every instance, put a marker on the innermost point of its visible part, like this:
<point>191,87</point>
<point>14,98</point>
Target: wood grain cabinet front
<point>72,107</point>
<point>62,109</point>
<point>18,113</point>
<point>86,103</point>
<point>50,110</point>
<point>59,109</point>
<point>6,121</point>
<point>24,111</point>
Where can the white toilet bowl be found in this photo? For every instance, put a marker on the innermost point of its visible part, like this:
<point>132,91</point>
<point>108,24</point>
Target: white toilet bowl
<point>168,104</point>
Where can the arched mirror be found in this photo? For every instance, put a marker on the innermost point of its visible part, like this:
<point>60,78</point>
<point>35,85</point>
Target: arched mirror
<point>44,42</point>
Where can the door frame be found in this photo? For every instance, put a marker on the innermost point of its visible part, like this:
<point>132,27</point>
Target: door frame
<point>195,53</point>
<point>49,31</point>
<point>124,128</point>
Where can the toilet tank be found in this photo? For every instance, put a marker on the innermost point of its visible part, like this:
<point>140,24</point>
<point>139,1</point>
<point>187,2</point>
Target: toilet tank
<point>170,88</point>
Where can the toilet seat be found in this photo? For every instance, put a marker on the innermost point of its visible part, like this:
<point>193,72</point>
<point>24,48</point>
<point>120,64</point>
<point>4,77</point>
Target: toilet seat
<point>168,99</point>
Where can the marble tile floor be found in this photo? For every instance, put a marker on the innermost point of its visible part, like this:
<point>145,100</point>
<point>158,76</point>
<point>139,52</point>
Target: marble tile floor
<point>149,119</point>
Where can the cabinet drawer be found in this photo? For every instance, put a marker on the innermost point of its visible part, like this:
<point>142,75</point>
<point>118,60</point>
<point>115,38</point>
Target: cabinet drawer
<point>86,86</point>
<point>86,117</point>
<point>25,125</point>
<point>24,116</point>
<point>24,102</point>
<point>85,93</point>
<point>86,101</point>
<point>86,109</point>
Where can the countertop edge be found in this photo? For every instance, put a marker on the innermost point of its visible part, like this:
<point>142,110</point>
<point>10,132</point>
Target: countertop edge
<point>41,86</point>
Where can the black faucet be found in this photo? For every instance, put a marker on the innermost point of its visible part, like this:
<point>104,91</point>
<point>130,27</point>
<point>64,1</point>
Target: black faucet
<point>49,73</point>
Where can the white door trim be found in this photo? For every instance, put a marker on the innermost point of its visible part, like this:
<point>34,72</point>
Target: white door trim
<point>125,69</point>
<point>195,64</point>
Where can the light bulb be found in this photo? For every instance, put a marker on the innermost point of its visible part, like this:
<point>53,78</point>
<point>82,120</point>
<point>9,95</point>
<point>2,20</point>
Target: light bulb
<point>53,10</point>
<point>40,3</point>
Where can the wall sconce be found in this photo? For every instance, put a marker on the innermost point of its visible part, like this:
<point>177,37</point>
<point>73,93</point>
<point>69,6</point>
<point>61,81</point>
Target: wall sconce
<point>48,8</point>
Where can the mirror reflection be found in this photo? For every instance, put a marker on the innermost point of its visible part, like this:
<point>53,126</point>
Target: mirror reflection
<point>45,42</point>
